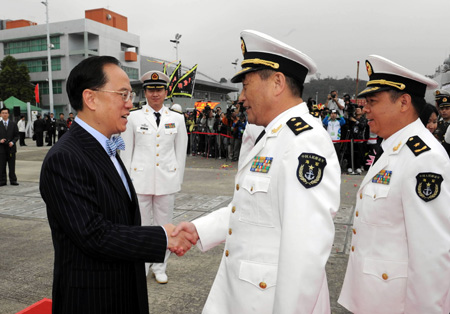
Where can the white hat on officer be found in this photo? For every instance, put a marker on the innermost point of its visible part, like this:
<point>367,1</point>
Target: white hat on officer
<point>264,52</point>
<point>154,79</point>
<point>387,75</point>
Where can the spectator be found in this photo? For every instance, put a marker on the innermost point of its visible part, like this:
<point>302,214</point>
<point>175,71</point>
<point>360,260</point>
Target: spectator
<point>442,98</point>
<point>238,130</point>
<point>52,130</point>
<point>22,129</point>
<point>69,120</point>
<point>336,103</point>
<point>227,121</point>
<point>61,126</point>
<point>359,131</point>
<point>429,117</point>
<point>38,129</point>
<point>333,125</point>
<point>207,124</point>
<point>9,134</point>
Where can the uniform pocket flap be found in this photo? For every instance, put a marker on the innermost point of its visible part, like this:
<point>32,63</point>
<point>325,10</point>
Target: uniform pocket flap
<point>376,191</point>
<point>255,184</point>
<point>260,275</point>
<point>170,131</point>
<point>385,270</point>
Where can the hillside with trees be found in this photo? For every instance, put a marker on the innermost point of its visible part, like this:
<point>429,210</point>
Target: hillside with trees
<point>322,87</point>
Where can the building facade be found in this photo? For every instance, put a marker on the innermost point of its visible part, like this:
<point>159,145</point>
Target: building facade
<point>101,32</point>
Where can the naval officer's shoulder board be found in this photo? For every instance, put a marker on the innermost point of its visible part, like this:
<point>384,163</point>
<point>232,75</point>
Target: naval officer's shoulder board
<point>417,146</point>
<point>298,125</point>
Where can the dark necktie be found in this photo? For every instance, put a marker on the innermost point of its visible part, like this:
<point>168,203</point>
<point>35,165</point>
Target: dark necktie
<point>379,151</point>
<point>260,136</point>
<point>157,114</point>
<point>6,125</point>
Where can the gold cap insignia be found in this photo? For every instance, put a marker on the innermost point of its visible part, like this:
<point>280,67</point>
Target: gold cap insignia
<point>155,76</point>
<point>243,46</point>
<point>369,68</point>
<point>444,100</point>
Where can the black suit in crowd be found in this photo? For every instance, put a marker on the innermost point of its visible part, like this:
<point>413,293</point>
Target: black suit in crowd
<point>8,154</point>
<point>100,247</point>
<point>39,127</point>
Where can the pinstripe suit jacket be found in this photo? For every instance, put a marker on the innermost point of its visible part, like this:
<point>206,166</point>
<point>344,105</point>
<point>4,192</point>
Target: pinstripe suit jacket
<point>100,247</point>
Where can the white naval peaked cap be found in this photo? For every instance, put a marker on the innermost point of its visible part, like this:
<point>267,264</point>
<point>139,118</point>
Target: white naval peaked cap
<point>154,79</point>
<point>386,75</point>
<point>262,51</point>
<point>177,108</point>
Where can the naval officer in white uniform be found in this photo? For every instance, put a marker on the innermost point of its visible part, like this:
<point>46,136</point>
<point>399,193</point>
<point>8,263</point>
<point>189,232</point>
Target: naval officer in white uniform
<point>399,260</point>
<point>155,157</point>
<point>278,230</point>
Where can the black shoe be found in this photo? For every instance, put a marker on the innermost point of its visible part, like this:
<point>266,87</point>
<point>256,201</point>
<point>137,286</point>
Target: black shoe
<point>14,183</point>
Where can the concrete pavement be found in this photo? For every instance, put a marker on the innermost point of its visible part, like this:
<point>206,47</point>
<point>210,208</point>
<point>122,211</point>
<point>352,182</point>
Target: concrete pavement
<point>26,262</point>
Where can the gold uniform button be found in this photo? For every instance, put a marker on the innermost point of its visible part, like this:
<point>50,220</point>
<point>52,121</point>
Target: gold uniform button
<point>360,195</point>
<point>374,196</point>
<point>385,276</point>
<point>357,213</point>
<point>157,135</point>
<point>157,165</point>
<point>230,231</point>
<point>233,209</point>
<point>251,189</point>
<point>135,169</point>
<point>353,249</point>
<point>157,155</point>
<point>227,253</point>
<point>157,145</point>
<point>354,231</point>
<point>143,132</point>
<point>237,187</point>
<point>262,285</point>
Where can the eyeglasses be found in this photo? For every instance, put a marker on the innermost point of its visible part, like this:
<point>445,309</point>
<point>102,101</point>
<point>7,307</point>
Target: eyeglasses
<point>126,95</point>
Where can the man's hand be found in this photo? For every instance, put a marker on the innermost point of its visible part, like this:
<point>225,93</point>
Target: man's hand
<point>189,228</point>
<point>179,243</point>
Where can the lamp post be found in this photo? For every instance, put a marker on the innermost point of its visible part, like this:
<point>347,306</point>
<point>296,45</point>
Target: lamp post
<point>235,65</point>
<point>49,59</point>
<point>176,41</point>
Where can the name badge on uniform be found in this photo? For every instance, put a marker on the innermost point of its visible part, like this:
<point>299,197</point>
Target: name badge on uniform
<point>169,125</point>
<point>144,127</point>
<point>261,164</point>
<point>383,177</point>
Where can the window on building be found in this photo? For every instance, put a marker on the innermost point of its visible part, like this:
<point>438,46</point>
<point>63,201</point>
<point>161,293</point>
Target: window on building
<point>41,65</point>
<point>215,96</point>
<point>132,73</point>
<point>44,88</point>
<point>31,45</point>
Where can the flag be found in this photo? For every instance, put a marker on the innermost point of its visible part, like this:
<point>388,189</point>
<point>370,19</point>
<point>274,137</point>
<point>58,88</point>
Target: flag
<point>173,79</point>
<point>36,93</point>
<point>185,85</point>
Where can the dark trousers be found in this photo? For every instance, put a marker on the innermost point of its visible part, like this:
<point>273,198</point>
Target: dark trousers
<point>22,138</point>
<point>50,135</point>
<point>39,138</point>
<point>10,159</point>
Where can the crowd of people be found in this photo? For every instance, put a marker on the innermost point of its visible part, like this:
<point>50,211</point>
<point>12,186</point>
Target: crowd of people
<point>215,133</point>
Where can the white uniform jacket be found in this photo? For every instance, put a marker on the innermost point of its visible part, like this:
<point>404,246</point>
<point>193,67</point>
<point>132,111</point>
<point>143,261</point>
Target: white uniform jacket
<point>155,157</point>
<point>400,260</point>
<point>279,226</point>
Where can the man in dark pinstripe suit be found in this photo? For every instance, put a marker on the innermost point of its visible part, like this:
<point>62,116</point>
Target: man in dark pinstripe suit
<point>100,247</point>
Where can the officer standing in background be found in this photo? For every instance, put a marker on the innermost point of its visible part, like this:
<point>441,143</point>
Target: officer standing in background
<point>400,260</point>
<point>278,229</point>
<point>442,98</point>
<point>155,157</point>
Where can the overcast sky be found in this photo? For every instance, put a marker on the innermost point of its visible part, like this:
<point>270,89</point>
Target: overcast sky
<point>334,33</point>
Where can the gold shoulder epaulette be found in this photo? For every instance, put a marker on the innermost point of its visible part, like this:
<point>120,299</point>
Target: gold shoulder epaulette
<point>175,111</point>
<point>136,108</point>
<point>416,145</point>
<point>298,125</point>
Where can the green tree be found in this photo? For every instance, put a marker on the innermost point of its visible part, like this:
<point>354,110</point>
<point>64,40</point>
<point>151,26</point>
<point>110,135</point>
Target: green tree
<point>15,80</point>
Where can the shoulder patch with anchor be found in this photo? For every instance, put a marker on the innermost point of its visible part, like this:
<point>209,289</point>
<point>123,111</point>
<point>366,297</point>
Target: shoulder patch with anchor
<point>298,125</point>
<point>428,185</point>
<point>416,145</point>
<point>310,169</point>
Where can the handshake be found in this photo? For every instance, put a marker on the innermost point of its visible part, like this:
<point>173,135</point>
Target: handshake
<point>181,238</point>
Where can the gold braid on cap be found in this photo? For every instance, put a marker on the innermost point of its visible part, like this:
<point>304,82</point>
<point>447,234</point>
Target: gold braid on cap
<point>263,62</point>
<point>399,86</point>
